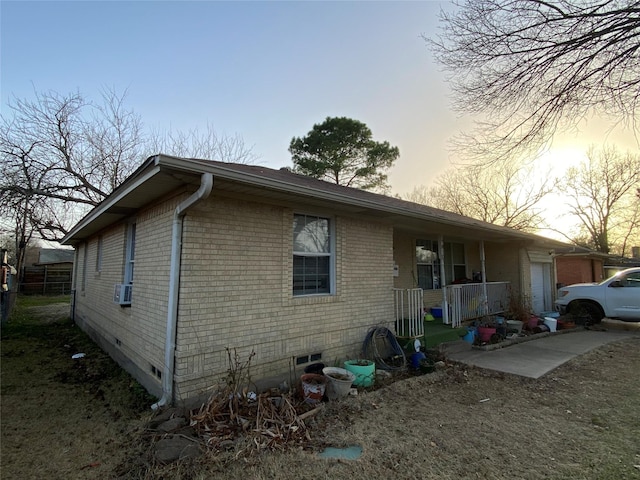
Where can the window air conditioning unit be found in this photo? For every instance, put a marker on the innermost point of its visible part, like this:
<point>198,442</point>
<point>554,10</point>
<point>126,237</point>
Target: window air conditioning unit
<point>122,293</point>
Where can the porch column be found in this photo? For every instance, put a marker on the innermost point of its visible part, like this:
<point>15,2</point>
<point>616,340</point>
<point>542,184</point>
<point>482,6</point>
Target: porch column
<point>445,304</point>
<point>484,278</point>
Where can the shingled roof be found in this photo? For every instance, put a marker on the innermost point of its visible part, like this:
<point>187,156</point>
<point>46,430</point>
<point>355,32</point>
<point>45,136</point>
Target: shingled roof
<point>55,255</point>
<point>160,174</point>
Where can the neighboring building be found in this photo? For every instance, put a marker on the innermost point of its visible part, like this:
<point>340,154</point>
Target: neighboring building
<point>49,272</point>
<point>189,258</point>
<point>55,256</point>
<point>615,264</point>
<point>579,265</point>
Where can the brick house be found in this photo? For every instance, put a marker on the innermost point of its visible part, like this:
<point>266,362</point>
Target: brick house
<point>190,257</point>
<point>579,265</point>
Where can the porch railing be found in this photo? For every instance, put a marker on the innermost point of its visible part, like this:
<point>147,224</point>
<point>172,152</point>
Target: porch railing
<point>468,301</point>
<point>409,308</point>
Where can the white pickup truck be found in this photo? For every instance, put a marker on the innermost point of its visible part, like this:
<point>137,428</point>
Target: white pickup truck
<point>617,297</point>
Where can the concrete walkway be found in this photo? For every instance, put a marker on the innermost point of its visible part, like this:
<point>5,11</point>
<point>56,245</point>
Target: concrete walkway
<point>537,357</point>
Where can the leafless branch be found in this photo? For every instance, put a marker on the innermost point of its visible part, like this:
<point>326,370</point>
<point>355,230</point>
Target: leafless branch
<point>531,67</point>
<point>600,193</point>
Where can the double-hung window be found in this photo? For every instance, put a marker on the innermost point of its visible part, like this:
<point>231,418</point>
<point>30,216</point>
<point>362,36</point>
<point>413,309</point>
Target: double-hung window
<point>130,253</point>
<point>429,259</point>
<point>99,255</point>
<point>455,267</point>
<point>313,256</point>
<point>428,264</point>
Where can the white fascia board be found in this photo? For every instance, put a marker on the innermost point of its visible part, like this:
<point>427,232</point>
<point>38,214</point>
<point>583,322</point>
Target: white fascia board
<point>191,165</point>
<point>110,201</point>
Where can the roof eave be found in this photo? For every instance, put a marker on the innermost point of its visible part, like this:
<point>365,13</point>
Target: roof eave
<point>257,180</point>
<point>146,171</point>
<point>166,163</point>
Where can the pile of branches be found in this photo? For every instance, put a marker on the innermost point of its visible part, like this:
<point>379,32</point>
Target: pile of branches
<point>270,420</point>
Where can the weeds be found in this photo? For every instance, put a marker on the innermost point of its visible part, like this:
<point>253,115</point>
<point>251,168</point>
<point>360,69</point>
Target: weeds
<point>268,420</point>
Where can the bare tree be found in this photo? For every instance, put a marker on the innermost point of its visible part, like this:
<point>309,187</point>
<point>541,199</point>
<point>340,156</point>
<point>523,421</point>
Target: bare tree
<point>65,149</point>
<point>602,196</point>
<point>62,155</point>
<point>530,67</point>
<point>207,144</point>
<point>629,228</point>
<point>419,194</point>
<point>503,193</point>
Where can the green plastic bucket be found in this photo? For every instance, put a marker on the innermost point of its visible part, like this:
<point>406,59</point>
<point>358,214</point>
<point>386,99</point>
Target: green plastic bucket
<point>364,370</point>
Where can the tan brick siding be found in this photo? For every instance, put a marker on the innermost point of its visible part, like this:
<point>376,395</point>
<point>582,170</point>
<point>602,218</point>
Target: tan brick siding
<point>236,292</point>
<point>136,332</point>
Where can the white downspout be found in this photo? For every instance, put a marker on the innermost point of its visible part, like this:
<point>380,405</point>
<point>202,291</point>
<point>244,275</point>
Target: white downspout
<point>206,185</point>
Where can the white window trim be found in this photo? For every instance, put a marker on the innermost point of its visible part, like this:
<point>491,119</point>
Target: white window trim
<point>129,260</point>
<point>331,255</point>
<point>443,268</point>
<point>85,267</point>
<point>99,251</point>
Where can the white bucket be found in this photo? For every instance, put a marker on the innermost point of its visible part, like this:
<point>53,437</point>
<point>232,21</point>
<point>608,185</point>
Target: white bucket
<point>514,325</point>
<point>339,382</point>
<point>552,323</point>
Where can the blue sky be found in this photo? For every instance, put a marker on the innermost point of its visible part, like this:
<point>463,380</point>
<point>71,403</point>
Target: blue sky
<point>264,70</point>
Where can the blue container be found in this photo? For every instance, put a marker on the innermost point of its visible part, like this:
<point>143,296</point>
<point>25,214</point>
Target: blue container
<point>470,336</point>
<point>436,312</point>
<point>416,358</point>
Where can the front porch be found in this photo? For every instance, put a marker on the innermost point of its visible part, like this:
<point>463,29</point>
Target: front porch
<point>474,300</point>
<point>460,303</point>
<point>434,333</point>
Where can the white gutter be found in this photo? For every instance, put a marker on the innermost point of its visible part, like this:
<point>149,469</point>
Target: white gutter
<point>206,185</point>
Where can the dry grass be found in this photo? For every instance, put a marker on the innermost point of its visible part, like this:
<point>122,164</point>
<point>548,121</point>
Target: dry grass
<point>579,422</point>
<point>62,418</point>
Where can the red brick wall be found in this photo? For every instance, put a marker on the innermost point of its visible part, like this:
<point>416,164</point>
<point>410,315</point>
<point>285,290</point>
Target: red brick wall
<point>572,270</point>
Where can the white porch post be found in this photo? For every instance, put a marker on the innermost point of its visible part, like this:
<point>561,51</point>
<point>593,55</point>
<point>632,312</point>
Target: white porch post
<point>485,307</point>
<point>445,305</point>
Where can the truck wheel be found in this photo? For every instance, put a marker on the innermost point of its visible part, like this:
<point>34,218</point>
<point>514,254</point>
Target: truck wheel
<point>591,311</point>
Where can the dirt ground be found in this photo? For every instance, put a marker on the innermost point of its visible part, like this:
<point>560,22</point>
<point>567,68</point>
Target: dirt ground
<point>62,417</point>
<point>580,421</point>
